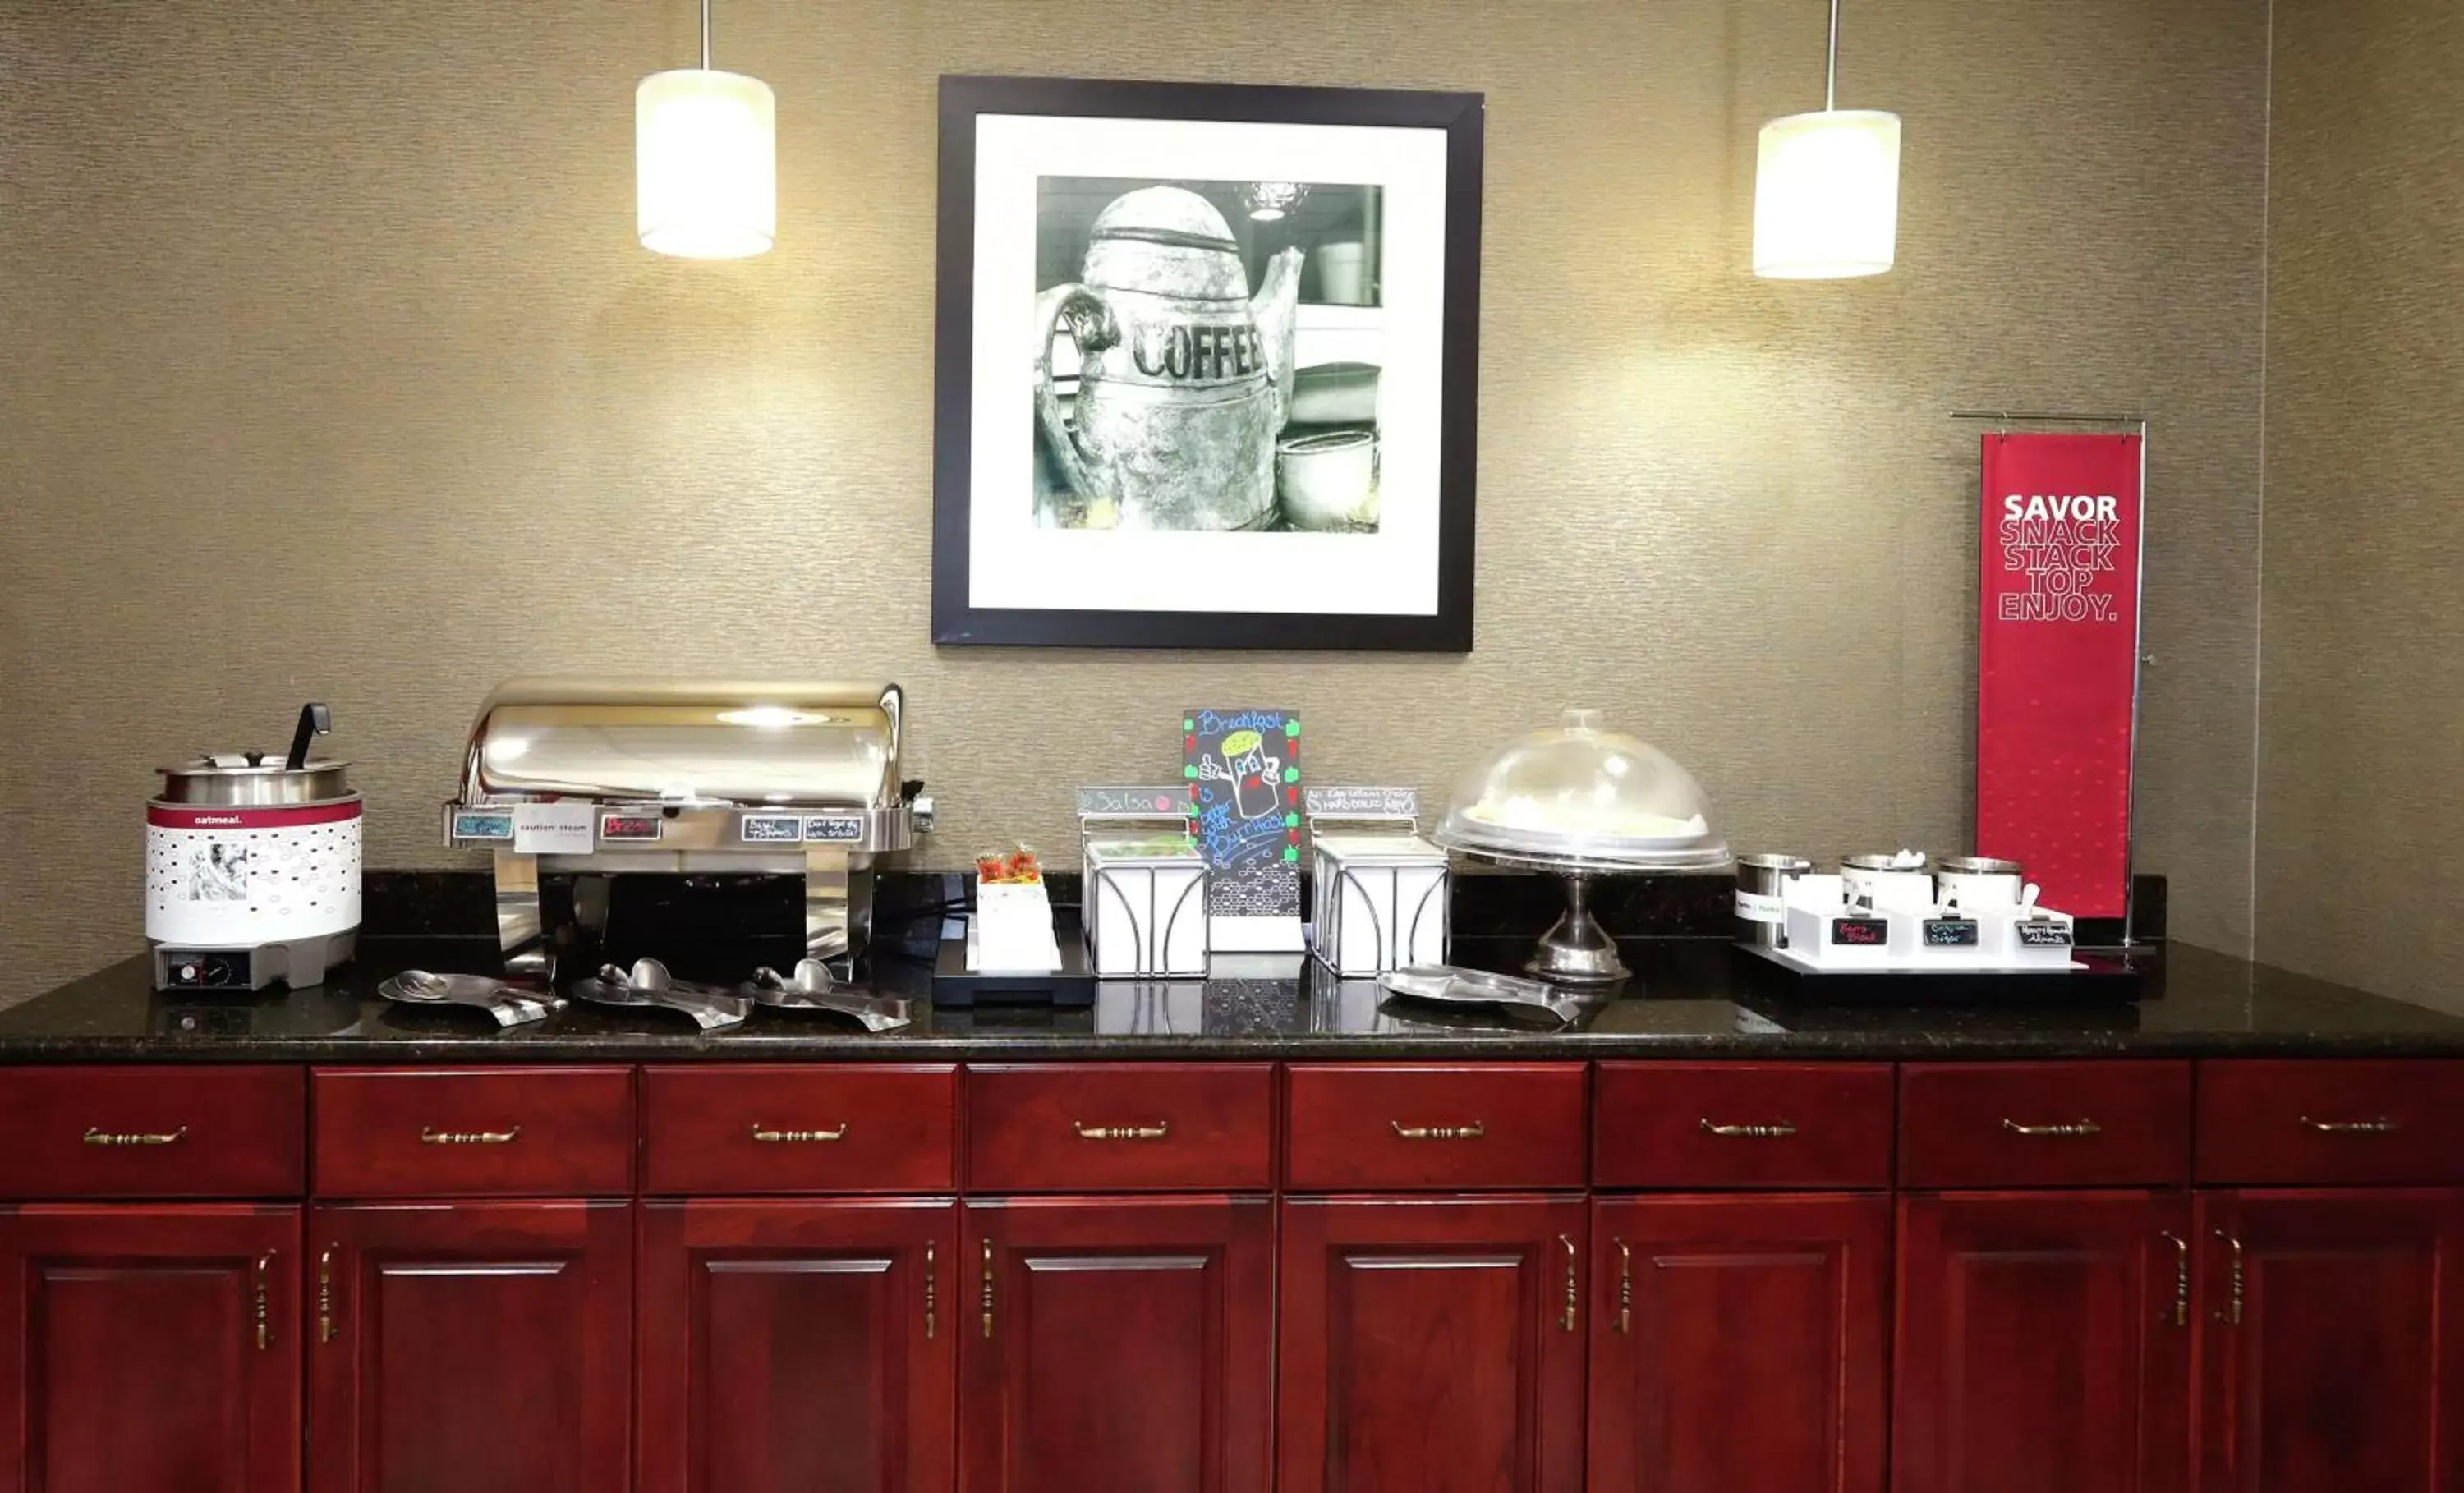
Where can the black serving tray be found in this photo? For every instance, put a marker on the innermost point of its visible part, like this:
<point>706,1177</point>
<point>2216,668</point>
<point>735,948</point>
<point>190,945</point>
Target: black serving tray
<point>1073,984</point>
<point>2104,981</point>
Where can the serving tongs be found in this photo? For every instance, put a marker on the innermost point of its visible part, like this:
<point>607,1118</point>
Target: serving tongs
<point>812,988</point>
<point>512,1005</point>
<point>1449,984</point>
<point>647,983</point>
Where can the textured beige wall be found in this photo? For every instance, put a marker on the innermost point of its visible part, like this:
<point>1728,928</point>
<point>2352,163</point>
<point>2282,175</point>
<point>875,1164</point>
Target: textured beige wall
<point>2361,791</point>
<point>332,370</point>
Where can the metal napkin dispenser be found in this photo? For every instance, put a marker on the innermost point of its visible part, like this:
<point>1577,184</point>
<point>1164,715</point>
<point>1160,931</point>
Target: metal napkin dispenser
<point>602,776</point>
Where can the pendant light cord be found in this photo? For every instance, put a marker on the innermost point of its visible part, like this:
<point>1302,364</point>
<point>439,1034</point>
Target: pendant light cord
<point>1829,68</point>
<point>705,31</point>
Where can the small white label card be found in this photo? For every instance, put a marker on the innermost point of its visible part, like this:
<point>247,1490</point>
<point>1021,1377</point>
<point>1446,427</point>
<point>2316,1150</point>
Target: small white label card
<point>559,829</point>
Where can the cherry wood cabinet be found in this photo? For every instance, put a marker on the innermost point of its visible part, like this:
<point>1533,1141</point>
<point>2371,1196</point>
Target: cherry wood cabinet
<point>1115,1344</point>
<point>148,1349</point>
<point>799,1347</point>
<point>471,1347</point>
<point>2333,1324</point>
<point>1433,1344</point>
<point>1739,1343</point>
<point>2044,1343</point>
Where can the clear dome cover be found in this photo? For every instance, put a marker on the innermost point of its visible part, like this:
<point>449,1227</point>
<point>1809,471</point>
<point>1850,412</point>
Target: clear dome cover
<point>1580,795</point>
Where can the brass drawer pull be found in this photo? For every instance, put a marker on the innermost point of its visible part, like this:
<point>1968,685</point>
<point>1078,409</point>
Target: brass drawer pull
<point>264,1318</point>
<point>988,1288</point>
<point>1777,1131</point>
<point>1156,1132</point>
<point>2230,1314</point>
<point>1625,1287</point>
<point>2378,1126</point>
<point>1574,1299</point>
<point>2181,1277</point>
<point>796,1137</point>
<point>1473,1132</point>
<point>2080,1130</point>
<point>326,1294</point>
<point>97,1136</point>
<point>931,1292</point>
<point>437,1137</point>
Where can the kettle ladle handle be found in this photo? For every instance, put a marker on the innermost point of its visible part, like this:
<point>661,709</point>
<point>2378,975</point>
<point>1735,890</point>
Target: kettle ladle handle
<point>1092,329</point>
<point>314,720</point>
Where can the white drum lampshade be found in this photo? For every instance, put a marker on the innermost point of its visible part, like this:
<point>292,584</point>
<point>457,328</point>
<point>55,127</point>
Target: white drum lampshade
<point>1827,195</point>
<point>706,161</point>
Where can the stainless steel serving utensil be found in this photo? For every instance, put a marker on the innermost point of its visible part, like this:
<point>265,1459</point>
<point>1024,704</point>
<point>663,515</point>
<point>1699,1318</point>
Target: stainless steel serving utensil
<point>1454,985</point>
<point>813,988</point>
<point>647,983</point>
<point>509,1004</point>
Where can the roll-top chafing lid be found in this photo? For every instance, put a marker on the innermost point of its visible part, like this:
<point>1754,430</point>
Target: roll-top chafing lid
<point>693,741</point>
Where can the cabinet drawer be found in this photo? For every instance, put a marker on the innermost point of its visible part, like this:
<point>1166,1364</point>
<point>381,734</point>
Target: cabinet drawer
<point>1714,1124</point>
<point>1108,1128</point>
<point>152,1133</point>
<point>799,1130</point>
<point>1488,1126</point>
<point>2044,1124</point>
<point>2263,1121</point>
<point>388,1133</point>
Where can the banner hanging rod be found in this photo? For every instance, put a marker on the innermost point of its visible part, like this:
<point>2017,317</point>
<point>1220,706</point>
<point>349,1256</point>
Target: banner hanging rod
<point>2029,417</point>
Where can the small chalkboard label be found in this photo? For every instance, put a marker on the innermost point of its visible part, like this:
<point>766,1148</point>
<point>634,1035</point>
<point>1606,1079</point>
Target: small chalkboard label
<point>1861,933</point>
<point>834,828</point>
<point>1950,933</point>
<point>468,825</point>
<point>2044,935</point>
<point>1159,802</point>
<point>773,828</point>
<point>1372,802</point>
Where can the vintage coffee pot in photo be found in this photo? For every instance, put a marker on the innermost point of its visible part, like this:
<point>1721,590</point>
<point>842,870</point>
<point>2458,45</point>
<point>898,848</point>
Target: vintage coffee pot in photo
<point>1185,379</point>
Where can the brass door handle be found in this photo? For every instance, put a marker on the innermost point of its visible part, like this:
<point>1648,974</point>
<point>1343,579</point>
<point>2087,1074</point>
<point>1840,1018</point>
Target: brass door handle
<point>96,1135</point>
<point>429,1136</point>
<point>1778,1129</point>
<point>988,1288</point>
<point>1574,1299</point>
<point>1156,1132</point>
<point>796,1137</point>
<point>2181,1277</point>
<point>2378,1126</point>
<point>1625,1285</point>
<point>264,1318</point>
<point>2229,1313</point>
<point>2078,1130</point>
<point>1473,1132</point>
<point>326,1294</point>
<point>932,1293</point>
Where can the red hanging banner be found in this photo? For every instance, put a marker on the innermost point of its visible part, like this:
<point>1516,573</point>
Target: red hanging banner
<point>2058,663</point>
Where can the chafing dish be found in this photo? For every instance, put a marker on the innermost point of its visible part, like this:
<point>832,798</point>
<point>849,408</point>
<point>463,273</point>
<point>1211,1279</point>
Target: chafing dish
<point>594,778</point>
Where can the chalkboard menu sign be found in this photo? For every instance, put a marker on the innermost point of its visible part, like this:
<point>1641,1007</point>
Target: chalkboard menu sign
<point>1244,771</point>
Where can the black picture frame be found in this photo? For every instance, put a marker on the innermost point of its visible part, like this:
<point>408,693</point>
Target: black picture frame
<point>958,623</point>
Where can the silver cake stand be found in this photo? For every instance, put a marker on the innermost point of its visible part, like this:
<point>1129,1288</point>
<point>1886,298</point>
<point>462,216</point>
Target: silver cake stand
<point>1575,949</point>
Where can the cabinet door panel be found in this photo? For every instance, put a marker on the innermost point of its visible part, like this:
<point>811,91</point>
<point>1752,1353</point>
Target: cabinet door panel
<point>475,1348</point>
<point>1117,1345</point>
<point>1432,1345</point>
<point>2337,1371</point>
<point>798,1346</point>
<point>1739,1343</point>
<point>2043,1343</point>
<point>131,1355</point>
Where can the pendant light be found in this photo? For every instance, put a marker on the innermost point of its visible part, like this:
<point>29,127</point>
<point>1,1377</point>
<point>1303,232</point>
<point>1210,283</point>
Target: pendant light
<point>1827,188</point>
<point>706,161</point>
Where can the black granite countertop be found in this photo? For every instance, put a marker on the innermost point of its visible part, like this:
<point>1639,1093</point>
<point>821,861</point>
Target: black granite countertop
<point>1690,998</point>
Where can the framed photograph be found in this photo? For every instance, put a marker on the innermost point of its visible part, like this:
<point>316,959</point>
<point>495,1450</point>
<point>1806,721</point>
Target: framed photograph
<point>1206,365</point>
